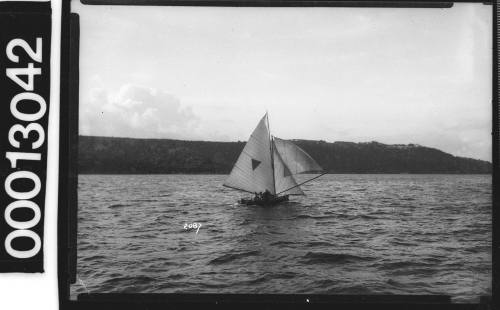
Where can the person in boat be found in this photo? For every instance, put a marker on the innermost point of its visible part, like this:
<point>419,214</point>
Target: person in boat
<point>258,196</point>
<point>266,196</point>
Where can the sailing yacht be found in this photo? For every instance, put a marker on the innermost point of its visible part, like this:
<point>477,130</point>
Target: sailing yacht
<point>267,165</point>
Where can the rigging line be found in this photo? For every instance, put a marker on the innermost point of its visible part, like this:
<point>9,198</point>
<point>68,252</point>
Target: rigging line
<point>301,183</point>
<point>239,189</point>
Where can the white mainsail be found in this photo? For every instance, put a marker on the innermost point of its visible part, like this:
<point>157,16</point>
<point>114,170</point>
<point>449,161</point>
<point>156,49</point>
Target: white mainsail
<point>297,160</point>
<point>253,171</point>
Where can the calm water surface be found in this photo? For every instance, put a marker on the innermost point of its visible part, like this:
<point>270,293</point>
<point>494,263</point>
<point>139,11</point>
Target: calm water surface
<point>351,234</point>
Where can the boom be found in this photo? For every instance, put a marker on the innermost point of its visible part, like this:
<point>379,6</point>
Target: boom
<point>300,184</point>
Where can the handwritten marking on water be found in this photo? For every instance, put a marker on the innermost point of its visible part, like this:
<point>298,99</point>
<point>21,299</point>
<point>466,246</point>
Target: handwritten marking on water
<point>196,226</point>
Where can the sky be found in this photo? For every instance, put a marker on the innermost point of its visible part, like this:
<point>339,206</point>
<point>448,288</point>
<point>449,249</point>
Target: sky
<point>395,76</point>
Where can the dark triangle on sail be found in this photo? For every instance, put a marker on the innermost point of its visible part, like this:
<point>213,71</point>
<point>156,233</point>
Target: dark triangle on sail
<point>286,171</point>
<point>255,163</point>
<point>284,180</point>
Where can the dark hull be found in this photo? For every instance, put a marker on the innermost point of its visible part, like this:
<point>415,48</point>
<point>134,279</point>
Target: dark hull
<point>261,202</point>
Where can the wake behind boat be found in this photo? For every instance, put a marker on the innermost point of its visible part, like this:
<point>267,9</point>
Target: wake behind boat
<point>266,167</point>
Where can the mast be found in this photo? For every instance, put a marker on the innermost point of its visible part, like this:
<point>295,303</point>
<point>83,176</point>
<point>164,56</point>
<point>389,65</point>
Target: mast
<point>271,150</point>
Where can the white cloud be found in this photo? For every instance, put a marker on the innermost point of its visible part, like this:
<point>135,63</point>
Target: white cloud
<point>136,111</point>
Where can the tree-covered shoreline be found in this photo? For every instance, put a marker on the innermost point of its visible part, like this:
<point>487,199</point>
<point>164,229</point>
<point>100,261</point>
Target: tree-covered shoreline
<point>109,155</point>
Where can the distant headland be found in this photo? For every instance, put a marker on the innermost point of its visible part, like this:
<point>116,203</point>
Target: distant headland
<point>109,155</point>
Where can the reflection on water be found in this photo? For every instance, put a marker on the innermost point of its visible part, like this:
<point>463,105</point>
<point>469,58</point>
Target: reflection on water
<point>351,234</point>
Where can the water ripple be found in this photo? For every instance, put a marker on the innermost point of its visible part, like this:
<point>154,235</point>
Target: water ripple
<point>351,234</point>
